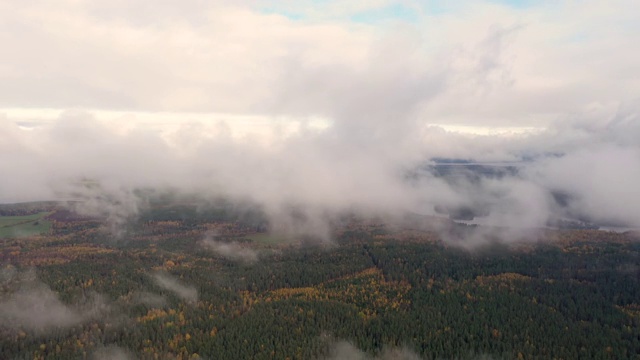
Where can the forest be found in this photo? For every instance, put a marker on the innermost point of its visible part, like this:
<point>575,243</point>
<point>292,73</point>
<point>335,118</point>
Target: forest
<point>213,286</point>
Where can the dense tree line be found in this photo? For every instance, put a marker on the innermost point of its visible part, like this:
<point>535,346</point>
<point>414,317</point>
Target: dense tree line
<point>577,297</point>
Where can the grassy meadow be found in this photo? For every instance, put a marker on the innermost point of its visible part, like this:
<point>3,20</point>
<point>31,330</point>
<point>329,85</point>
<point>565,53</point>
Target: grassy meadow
<point>27,225</point>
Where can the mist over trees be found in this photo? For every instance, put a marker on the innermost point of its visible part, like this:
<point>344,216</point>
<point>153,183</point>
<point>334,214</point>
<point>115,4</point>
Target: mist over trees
<point>319,179</point>
<point>412,288</point>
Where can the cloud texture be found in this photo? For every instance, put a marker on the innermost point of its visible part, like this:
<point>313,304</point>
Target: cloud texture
<point>183,291</point>
<point>307,110</point>
<point>33,306</point>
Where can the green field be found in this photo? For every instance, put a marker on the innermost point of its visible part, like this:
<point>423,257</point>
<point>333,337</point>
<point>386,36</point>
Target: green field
<point>268,239</point>
<point>28,225</point>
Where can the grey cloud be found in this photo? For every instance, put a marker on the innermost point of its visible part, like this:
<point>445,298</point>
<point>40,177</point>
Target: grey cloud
<point>602,182</point>
<point>373,102</point>
<point>35,307</point>
<point>302,182</point>
<point>379,92</point>
<point>112,352</point>
<point>230,250</point>
<point>183,291</point>
<point>343,350</point>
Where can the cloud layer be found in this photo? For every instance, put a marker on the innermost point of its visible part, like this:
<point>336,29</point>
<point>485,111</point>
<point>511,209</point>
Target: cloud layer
<point>472,62</point>
<point>307,109</point>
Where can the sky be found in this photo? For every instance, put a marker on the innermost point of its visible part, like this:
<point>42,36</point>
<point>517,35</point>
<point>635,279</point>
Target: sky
<point>324,104</point>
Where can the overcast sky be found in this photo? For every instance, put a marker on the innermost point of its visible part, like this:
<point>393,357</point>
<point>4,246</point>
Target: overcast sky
<point>473,63</point>
<point>322,102</point>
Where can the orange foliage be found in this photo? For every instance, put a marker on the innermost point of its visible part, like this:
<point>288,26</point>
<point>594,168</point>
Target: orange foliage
<point>61,254</point>
<point>152,315</point>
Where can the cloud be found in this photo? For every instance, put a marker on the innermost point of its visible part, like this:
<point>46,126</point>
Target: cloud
<point>185,292</point>
<point>303,182</point>
<point>344,350</point>
<point>599,181</point>
<point>35,307</point>
<point>116,205</point>
<point>234,117</point>
<point>472,62</point>
<point>112,352</point>
<point>230,250</point>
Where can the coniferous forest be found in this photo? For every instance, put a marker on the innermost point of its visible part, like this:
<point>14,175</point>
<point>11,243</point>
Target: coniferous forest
<point>180,285</point>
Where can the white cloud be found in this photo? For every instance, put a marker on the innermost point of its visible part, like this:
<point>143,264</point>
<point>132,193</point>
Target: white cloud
<point>230,250</point>
<point>33,306</point>
<point>183,291</point>
<point>488,63</point>
<point>157,84</point>
<point>112,352</point>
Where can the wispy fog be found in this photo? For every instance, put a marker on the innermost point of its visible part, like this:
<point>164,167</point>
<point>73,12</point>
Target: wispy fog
<point>26,303</point>
<point>183,291</point>
<point>230,250</point>
<point>344,350</point>
<point>302,181</point>
<point>310,116</point>
<point>112,352</point>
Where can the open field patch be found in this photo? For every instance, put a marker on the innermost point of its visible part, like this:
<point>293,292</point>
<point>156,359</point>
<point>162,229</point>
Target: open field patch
<point>268,239</point>
<point>27,225</point>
